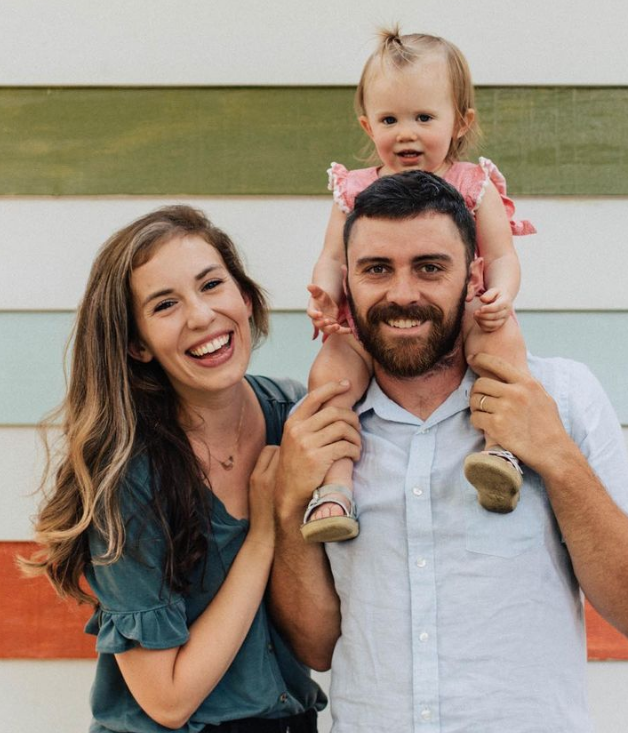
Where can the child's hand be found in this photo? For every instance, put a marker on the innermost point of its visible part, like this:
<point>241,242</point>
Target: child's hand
<point>324,312</point>
<point>495,312</point>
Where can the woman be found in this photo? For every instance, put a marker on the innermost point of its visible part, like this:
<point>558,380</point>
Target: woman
<point>162,496</point>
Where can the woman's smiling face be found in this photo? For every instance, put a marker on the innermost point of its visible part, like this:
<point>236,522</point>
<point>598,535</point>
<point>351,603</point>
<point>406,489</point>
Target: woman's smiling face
<point>191,317</point>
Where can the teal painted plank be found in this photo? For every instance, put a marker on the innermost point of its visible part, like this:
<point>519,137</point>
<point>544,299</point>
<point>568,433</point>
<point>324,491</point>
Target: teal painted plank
<point>31,355</point>
<point>280,140</point>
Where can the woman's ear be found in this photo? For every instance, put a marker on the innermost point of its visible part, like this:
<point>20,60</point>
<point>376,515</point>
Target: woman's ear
<point>465,125</point>
<point>140,352</point>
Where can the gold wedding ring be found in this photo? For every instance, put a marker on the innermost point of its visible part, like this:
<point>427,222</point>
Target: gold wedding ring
<point>482,402</point>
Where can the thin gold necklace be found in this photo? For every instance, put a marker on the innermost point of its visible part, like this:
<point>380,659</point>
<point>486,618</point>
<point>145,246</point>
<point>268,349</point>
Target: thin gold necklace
<point>229,462</point>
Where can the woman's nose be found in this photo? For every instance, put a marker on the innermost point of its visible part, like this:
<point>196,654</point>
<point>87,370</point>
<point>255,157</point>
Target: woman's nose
<point>200,314</point>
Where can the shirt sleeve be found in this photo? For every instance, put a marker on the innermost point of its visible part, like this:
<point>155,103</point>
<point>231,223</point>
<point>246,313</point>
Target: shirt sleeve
<point>595,428</point>
<point>136,606</point>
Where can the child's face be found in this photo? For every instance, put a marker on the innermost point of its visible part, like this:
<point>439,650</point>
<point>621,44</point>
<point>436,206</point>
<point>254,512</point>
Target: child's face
<point>410,116</point>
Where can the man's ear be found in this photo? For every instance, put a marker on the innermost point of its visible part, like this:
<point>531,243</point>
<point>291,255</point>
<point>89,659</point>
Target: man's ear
<point>366,125</point>
<point>140,352</point>
<point>466,123</point>
<point>476,279</point>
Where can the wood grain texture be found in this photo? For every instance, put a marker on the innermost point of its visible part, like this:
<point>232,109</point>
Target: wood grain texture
<point>35,624</point>
<point>277,140</point>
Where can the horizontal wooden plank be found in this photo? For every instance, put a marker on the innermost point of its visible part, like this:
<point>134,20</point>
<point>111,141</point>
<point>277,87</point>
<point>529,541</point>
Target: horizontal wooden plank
<point>580,245</point>
<point>21,466</point>
<point>34,624</point>
<point>275,140</point>
<point>32,383</point>
<point>73,42</point>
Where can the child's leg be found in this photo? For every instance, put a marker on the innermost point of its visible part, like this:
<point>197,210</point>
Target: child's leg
<point>340,357</point>
<point>495,473</point>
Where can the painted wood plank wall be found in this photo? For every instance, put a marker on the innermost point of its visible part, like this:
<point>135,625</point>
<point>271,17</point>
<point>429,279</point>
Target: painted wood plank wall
<point>574,270</point>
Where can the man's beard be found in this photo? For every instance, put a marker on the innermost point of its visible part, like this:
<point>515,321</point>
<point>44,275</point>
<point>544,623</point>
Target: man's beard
<point>409,356</point>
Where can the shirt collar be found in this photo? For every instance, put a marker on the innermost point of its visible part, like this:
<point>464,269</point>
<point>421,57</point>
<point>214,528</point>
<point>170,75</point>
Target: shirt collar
<point>376,401</point>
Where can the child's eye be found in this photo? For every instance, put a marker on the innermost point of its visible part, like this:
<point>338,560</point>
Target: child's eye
<point>389,120</point>
<point>424,118</point>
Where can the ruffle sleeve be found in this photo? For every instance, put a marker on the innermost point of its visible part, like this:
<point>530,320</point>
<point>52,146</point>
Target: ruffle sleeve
<point>491,173</point>
<point>159,628</point>
<point>338,175</point>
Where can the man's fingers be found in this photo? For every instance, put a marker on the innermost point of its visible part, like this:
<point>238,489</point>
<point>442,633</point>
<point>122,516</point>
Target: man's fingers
<point>487,363</point>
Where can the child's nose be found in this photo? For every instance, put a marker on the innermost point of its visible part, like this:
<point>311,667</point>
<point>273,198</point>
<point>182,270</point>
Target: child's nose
<point>407,131</point>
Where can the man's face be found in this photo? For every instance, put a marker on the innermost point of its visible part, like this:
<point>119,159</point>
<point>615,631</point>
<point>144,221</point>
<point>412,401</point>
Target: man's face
<point>407,283</point>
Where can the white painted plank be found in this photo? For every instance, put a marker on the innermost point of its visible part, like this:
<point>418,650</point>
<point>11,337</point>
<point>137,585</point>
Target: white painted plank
<point>578,261</point>
<point>20,468</point>
<point>75,42</point>
<point>53,696</point>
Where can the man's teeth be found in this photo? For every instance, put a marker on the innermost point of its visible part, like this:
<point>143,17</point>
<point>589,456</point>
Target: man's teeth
<point>403,323</point>
<point>211,346</point>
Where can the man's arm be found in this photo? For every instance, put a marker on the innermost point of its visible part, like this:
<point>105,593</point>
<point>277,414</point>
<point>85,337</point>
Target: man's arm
<point>302,596</point>
<point>524,419</point>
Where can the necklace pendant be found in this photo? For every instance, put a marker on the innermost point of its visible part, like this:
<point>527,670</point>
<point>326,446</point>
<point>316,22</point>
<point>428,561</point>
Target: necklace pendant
<point>228,464</point>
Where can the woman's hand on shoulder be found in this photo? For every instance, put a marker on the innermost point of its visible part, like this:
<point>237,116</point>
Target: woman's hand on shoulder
<point>261,496</point>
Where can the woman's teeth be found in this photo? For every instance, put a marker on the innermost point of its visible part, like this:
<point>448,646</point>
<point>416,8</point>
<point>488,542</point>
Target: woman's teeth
<point>211,346</point>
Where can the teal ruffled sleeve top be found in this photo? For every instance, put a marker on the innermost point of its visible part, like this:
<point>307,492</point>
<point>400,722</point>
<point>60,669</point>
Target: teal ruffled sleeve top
<point>137,608</point>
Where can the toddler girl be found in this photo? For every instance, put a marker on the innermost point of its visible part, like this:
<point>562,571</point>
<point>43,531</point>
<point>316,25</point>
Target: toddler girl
<point>415,102</point>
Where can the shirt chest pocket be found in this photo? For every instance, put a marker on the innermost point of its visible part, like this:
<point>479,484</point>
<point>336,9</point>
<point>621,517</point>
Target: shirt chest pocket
<point>507,535</point>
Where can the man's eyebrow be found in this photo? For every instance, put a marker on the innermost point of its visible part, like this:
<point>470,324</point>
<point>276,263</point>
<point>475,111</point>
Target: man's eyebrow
<point>168,291</point>
<point>433,257</point>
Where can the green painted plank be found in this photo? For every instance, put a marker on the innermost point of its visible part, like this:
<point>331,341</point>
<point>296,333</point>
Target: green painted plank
<point>279,140</point>
<point>32,383</point>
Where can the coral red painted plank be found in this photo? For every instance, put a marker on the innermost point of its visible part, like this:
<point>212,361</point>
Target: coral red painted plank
<point>603,641</point>
<point>34,622</point>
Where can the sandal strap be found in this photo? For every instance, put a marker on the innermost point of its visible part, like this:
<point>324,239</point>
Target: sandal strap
<point>507,456</point>
<point>319,497</point>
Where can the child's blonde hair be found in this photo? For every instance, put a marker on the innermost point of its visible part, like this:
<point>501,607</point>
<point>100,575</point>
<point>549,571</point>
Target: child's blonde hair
<point>400,51</point>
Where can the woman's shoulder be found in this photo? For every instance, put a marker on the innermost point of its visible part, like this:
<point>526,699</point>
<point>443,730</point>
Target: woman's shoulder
<point>346,184</point>
<point>271,389</point>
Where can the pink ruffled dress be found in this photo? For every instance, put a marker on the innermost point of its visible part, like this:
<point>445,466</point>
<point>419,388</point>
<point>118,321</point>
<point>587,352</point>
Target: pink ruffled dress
<point>470,179</point>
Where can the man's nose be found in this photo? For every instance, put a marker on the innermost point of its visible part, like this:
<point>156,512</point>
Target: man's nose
<point>403,291</point>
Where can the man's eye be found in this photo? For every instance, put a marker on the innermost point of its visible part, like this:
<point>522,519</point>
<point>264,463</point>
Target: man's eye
<point>431,269</point>
<point>376,269</point>
<point>389,120</point>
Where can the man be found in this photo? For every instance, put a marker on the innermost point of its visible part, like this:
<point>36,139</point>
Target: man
<point>446,617</point>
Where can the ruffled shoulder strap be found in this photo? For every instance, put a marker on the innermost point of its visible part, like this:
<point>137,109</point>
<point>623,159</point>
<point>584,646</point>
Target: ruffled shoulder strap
<point>472,180</point>
<point>346,185</point>
<point>164,627</point>
<point>492,173</point>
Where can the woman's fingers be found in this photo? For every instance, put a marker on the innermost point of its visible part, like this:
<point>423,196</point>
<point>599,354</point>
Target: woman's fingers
<point>493,365</point>
<point>317,398</point>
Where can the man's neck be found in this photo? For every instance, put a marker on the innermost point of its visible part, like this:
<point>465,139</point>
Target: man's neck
<point>422,395</point>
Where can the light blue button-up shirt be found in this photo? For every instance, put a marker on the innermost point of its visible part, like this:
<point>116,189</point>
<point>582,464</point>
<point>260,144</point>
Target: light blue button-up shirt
<point>455,619</point>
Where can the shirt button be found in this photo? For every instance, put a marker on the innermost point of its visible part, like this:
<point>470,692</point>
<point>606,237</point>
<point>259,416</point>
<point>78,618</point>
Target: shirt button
<point>283,697</point>
<point>426,715</point>
<point>421,562</point>
<point>424,636</point>
<point>271,648</point>
<point>417,491</point>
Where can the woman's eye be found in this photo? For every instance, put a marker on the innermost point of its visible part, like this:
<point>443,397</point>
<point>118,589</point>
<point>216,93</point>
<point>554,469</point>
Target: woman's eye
<point>211,284</point>
<point>164,305</point>
<point>389,120</point>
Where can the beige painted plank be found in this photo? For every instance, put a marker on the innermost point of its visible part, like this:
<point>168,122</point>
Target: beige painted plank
<point>75,42</point>
<point>577,261</point>
<point>272,140</point>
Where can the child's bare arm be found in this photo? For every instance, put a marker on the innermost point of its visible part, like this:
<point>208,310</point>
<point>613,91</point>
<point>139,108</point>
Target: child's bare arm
<point>502,272</point>
<point>327,275</point>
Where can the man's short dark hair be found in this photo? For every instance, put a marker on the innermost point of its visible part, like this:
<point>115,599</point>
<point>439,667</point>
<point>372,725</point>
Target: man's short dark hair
<point>411,194</point>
